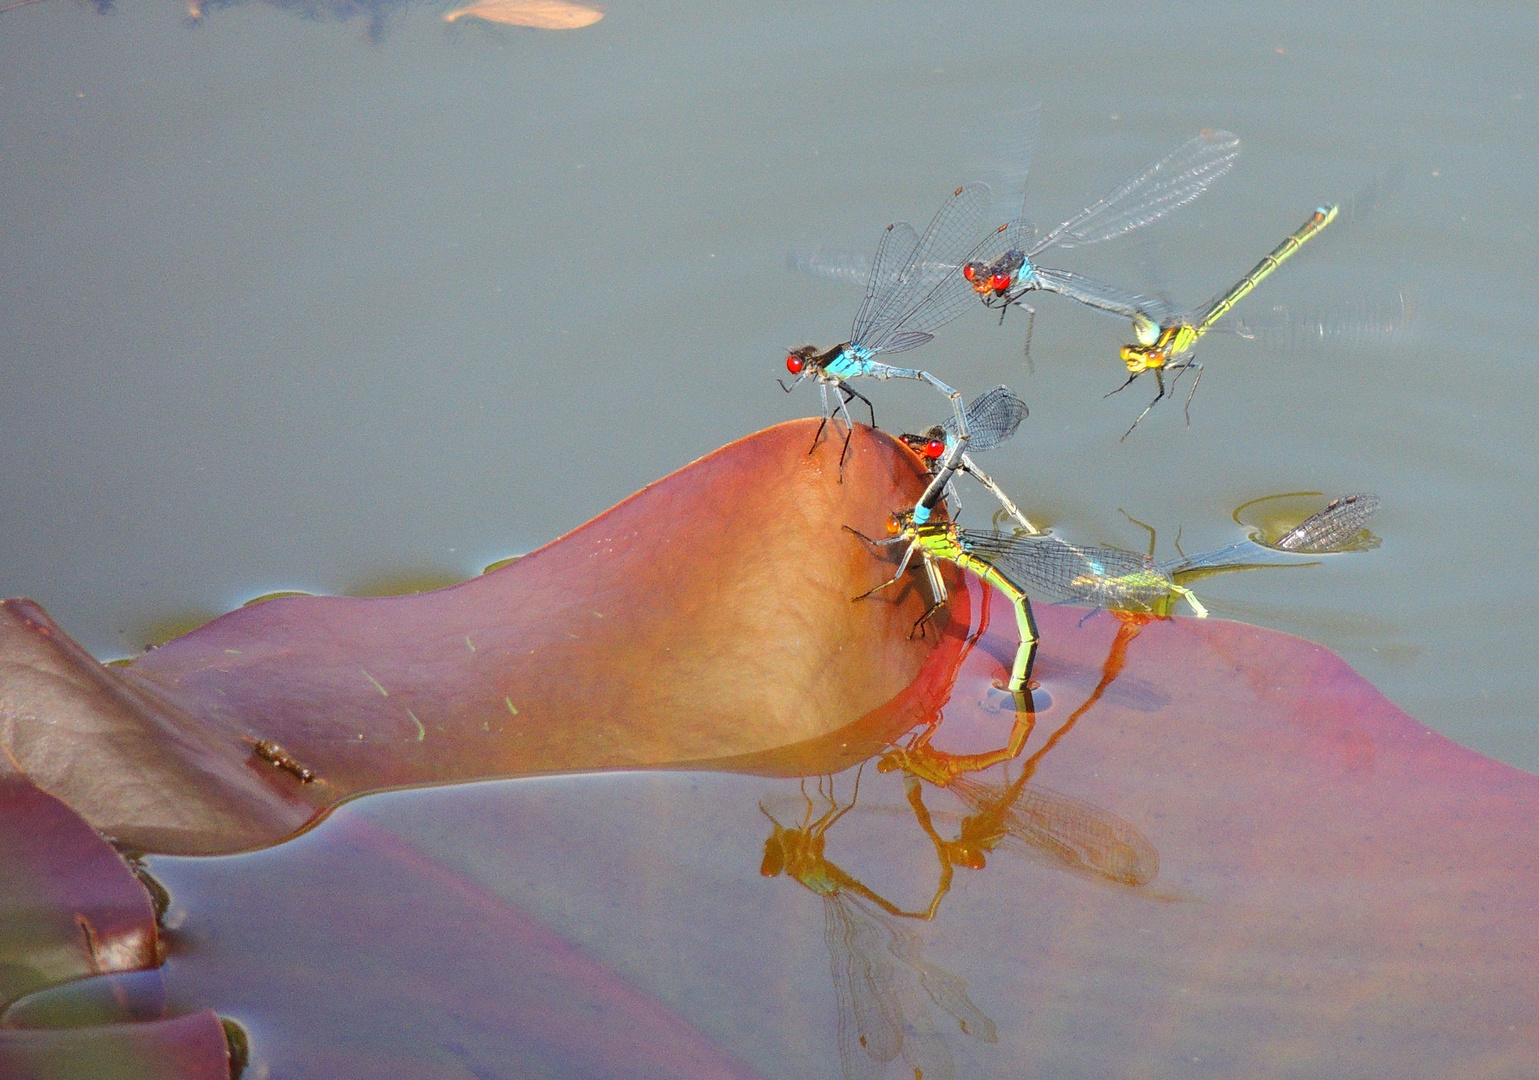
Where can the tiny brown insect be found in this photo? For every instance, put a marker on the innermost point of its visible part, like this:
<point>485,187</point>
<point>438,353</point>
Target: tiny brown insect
<point>280,758</point>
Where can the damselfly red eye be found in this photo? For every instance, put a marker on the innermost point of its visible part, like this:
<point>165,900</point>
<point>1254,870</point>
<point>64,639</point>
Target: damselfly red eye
<point>934,448</point>
<point>969,271</point>
<point>1000,282</point>
<point>794,364</point>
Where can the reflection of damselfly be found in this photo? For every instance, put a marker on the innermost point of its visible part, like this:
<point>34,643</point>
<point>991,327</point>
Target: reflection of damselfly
<point>1032,819</point>
<point>992,418</point>
<point>878,963</point>
<point>913,290</point>
<point>1002,267</point>
<point>1041,823</point>
<point>1165,338</point>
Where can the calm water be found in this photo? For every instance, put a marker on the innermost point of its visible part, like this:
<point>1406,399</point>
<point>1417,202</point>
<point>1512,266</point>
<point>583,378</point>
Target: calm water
<point>333,304</point>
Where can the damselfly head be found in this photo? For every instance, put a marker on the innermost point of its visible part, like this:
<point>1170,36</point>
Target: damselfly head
<point>929,444</point>
<point>979,276</point>
<point>961,853</point>
<point>774,854</point>
<point>1142,358</point>
<point>805,360</point>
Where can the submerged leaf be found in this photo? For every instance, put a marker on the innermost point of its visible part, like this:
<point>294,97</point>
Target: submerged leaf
<point>540,14</point>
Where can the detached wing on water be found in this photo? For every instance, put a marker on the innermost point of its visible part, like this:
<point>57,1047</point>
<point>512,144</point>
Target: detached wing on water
<point>1336,528</point>
<point>1171,182</point>
<point>992,418</point>
<point>1340,527</point>
<point>928,291</point>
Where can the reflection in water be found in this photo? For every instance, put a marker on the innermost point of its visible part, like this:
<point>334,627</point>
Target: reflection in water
<point>539,14</point>
<point>881,1013</point>
<point>876,959</point>
<point>1035,820</point>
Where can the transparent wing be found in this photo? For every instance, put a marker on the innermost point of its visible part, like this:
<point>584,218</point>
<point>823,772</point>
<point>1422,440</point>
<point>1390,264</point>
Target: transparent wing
<point>992,418</point>
<point>948,991</point>
<point>1355,324</point>
<point>1101,296</point>
<point>1171,182</point>
<point>870,1019</point>
<point>1336,528</point>
<point>997,150</point>
<point>904,340</point>
<point>892,255</point>
<point>1082,836</point>
<point>832,264</point>
<point>929,291</point>
<point>1047,567</point>
<point>924,1048</point>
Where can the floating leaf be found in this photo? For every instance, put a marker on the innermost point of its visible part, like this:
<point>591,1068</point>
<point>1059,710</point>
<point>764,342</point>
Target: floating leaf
<point>707,618</point>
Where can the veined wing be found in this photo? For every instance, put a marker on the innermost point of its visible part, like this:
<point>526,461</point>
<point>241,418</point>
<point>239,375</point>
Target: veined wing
<point>929,292</point>
<point>1069,831</point>
<point>948,991</point>
<point>1171,182</point>
<point>992,418</point>
<point>870,1018</point>
<point>892,255</point>
<point>1052,569</point>
<point>997,149</point>
<point>1335,528</point>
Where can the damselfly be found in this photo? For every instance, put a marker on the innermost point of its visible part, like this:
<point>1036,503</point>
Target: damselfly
<point>1020,566</point>
<point>1164,338</point>
<point>992,418</point>
<point>913,290</point>
<point>1002,267</point>
<point>987,555</point>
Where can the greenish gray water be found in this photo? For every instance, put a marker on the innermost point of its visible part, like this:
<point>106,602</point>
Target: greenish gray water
<point>293,305</point>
